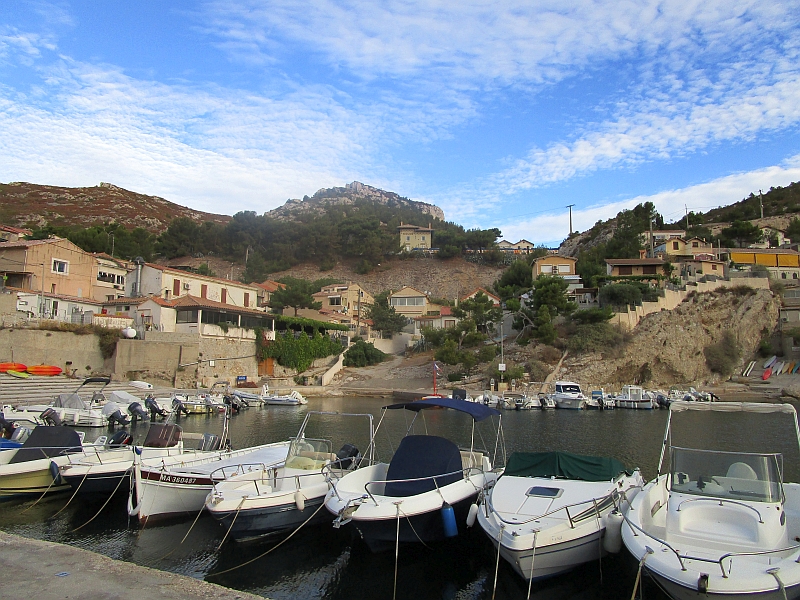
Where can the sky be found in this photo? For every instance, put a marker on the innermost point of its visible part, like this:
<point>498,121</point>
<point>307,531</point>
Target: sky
<point>501,113</point>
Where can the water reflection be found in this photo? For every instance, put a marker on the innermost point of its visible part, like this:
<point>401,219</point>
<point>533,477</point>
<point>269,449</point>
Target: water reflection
<point>322,562</point>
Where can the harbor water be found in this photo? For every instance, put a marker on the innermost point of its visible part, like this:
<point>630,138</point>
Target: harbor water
<point>323,562</point>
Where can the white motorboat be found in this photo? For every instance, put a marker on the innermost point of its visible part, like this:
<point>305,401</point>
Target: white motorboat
<point>293,398</point>
<point>520,401</point>
<point>568,394</point>
<point>633,396</point>
<point>603,400</point>
<point>717,524</point>
<point>262,500</point>
<point>70,408</point>
<point>99,469</point>
<point>424,493</point>
<point>547,401</point>
<point>553,511</point>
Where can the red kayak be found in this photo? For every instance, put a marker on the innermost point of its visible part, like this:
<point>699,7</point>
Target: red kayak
<point>766,374</point>
<point>44,370</point>
<point>12,366</point>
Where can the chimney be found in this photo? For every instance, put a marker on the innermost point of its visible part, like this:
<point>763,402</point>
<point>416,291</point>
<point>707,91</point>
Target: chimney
<point>642,253</point>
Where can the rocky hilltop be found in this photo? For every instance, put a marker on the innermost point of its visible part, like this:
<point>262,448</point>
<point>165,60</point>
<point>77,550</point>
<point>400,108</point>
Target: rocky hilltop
<point>31,205</point>
<point>348,195</point>
<point>667,348</point>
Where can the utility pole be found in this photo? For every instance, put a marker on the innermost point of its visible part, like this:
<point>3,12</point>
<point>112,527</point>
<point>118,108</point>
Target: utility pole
<point>761,202</point>
<point>569,206</point>
<point>687,216</point>
<point>651,254</point>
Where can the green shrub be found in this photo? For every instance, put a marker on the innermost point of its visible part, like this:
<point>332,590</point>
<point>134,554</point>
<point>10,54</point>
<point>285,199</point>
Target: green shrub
<point>298,352</point>
<point>620,294</point>
<point>487,353</point>
<point>592,315</point>
<point>538,370</point>
<point>363,354</point>
<point>723,356</point>
<point>593,337</point>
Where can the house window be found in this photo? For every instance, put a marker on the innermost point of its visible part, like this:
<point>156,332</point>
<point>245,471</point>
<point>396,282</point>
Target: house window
<point>224,296</point>
<point>794,275</point>
<point>246,299</point>
<point>52,288</point>
<point>625,270</point>
<point>675,245</point>
<point>186,316</point>
<point>60,266</point>
<point>176,287</point>
<point>121,279</point>
<point>546,269</point>
<point>649,270</point>
<point>563,269</point>
<point>204,291</point>
<point>713,267</point>
<point>423,238</point>
<point>335,301</point>
<point>783,275</point>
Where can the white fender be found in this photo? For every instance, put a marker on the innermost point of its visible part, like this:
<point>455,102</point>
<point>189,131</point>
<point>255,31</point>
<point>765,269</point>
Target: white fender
<point>472,515</point>
<point>299,500</point>
<point>612,542</point>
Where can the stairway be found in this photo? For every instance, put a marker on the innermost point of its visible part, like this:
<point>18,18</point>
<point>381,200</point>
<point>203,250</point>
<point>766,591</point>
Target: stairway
<point>42,390</point>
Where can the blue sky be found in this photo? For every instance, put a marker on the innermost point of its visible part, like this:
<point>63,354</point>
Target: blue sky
<point>501,113</point>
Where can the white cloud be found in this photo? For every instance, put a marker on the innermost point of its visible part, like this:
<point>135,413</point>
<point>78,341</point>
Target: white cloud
<point>551,229</point>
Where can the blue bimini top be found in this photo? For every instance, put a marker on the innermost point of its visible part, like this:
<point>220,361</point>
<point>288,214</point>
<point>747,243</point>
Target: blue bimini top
<point>477,411</point>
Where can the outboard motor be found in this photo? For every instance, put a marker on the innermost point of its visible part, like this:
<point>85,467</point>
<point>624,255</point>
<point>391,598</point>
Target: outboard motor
<point>50,417</point>
<point>20,434</point>
<point>232,402</point>
<point>178,407</point>
<point>7,427</point>
<point>154,408</point>
<point>119,439</point>
<point>137,412</point>
<point>117,417</point>
<point>459,393</point>
<point>348,457</point>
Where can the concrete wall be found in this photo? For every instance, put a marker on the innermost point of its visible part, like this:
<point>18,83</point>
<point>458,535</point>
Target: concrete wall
<point>395,345</point>
<point>157,361</point>
<point>36,347</point>
<point>630,318</point>
<point>231,358</point>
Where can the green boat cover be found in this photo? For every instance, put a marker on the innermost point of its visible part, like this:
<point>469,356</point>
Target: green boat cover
<point>563,465</point>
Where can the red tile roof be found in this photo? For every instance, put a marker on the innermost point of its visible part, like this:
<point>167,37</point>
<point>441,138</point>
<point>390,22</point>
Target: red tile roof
<point>189,301</point>
<point>634,261</point>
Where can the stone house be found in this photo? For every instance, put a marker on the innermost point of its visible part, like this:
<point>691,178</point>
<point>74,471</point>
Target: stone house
<point>782,263</point>
<point>617,267</point>
<point>345,298</point>
<point>412,303</point>
<point>265,291</point>
<point>563,266</point>
<point>13,234</point>
<point>495,299</point>
<point>413,237</point>
<point>677,247</point>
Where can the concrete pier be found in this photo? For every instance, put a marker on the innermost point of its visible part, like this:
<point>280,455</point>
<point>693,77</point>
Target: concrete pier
<point>50,571</point>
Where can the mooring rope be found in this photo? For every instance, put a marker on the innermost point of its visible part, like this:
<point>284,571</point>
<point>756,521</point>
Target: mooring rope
<point>275,547</point>
<point>497,562</point>
<point>43,493</point>
<point>396,550</point>
<point>235,516</point>
<point>533,556</point>
<point>200,512</point>
<point>119,483</point>
<point>410,524</point>
<point>75,493</point>
<point>647,552</point>
<point>774,573</point>
<point>599,540</point>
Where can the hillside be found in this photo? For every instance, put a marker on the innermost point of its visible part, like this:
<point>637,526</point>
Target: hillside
<point>668,346</point>
<point>349,195</point>
<point>31,205</point>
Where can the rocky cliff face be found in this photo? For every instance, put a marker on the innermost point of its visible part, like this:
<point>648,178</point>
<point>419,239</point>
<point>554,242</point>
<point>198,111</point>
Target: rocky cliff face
<point>668,346</point>
<point>349,194</point>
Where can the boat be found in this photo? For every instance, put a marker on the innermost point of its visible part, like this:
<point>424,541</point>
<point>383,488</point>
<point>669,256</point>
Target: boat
<point>293,398</point>
<point>568,395</point>
<point>141,385</point>
<point>100,469</point>
<point>767,373</point>
<point>71,408</point>
<point>173,487</point>
<point>18,374</point>
<point>633,396</point>
<point>546,401</point>
<point>520,401</point>
<point>489,399</point>
<point>770,361</point>
<point>46,370</point>
<point>553,511</point>
<point>33,468</point>
<point>262,500</point>
<point>719,524</point>
<point>605,401</point>
<point>13,366</point>
<point>424,493</point>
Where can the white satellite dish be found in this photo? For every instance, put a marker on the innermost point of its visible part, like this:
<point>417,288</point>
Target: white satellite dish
<point>129,332</point>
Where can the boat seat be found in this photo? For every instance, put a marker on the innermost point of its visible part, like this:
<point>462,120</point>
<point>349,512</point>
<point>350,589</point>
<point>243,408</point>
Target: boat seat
<point>422,457</point>
<point>740,470</point>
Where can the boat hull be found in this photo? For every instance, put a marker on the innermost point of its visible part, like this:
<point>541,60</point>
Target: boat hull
<point>680,592</point>
<point>33,477</point>
<point>428,527</point>
<point>260,522</point>
<point>99,483</point>
<point>570,403</point>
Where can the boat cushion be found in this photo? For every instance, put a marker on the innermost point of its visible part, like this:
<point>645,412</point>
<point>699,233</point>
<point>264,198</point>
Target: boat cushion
<point>563,464</point>
<point>423,456</point>
<point>162,435</point>
<point>46,442</point>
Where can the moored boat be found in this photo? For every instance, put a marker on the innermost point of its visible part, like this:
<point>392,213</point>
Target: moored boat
<point>424,493</point>
<point>569,395</point>
<point>719,524</point>
<point>552,511</point>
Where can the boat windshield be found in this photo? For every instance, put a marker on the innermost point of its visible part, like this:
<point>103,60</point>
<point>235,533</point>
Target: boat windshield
<point>309,454</point>
<point>734,475</point>
<point>568,388</point>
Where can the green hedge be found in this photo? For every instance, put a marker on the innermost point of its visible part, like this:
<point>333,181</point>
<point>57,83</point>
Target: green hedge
<point>297,353</point>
